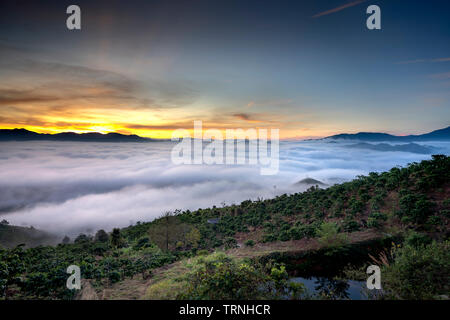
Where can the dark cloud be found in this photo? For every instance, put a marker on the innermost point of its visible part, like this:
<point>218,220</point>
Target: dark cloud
<point>14,96</point>
<point>242,116</point>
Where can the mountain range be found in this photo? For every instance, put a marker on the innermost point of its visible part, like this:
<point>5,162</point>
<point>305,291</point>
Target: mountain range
<point>441,134</point>
<point>26,135</point>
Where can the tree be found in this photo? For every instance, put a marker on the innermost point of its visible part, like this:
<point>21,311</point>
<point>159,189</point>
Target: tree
<point>193,237</point>
<point>329,235</point>
<point>66,240</point>
<point>101,236</point>
<point>4,222</point>
<point>82,238</point>
<point>167,231</point>
<point>116,238</point>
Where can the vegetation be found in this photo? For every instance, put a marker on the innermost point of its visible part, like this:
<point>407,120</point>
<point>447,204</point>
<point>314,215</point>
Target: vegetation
<point>221,277</point>
<point>418,272</point>
<point>412,203</point>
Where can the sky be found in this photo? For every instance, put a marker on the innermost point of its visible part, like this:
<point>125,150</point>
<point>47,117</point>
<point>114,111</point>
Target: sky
<point>308,68</point>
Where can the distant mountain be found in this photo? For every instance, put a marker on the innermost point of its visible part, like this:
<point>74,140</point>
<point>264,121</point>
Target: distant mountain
<point>310,181</point>
<point>11,236</point>
<point>26,135</point>
<point>408,147</point>
<point>442,134</point>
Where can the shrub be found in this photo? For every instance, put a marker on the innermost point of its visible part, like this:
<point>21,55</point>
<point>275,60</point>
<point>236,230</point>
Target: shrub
<point>284,236</point>
<point>329,235</point>
<point>202,252</point>
<point>418,272</point>
<point>219,277</point>
<point>143,242</point>
<point>230,243</point>
<point>114,276</point>
<point>375,218</point>
<point>415,208</point>
<point>350,225</point>
<point>416,239</point>
<point>249,243</point>
<point>269,237</point>
<point>82,238</point>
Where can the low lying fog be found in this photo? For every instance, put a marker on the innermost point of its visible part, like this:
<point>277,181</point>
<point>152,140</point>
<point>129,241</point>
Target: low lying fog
<point>71,187</point>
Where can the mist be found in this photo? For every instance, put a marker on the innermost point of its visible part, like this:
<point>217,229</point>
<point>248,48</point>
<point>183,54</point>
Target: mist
<point>71,187</point>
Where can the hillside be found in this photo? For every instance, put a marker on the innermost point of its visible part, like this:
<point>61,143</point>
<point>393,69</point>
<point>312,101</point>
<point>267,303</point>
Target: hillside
<point>11,236</point>
<point>303,231</point>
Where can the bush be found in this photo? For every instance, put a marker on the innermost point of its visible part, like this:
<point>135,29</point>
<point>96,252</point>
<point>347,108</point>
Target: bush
<point>284,236</point>
<point>418,272</point>
<point>415,208</point>
<point>230,243</point>
<point>249,243</point>
<point>202,252</point>
<point>114,276</point>
<point>218,277</point>
<point>143,242</point>
<point>329,235</point>
<point>416,240</point>
<point>350,225</point>
<point>269,237</point>
<point>374,219</point>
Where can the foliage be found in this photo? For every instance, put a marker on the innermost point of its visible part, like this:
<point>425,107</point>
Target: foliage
<point>329,235</point>
<point>249,243</point>
<point>230,243</point>
<point>101,236</point>
<point>11,266</point>
<point>420,272</point>
<point>221,277</point>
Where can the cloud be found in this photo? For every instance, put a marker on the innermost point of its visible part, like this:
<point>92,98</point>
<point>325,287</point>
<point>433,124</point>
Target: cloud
<point>242,116</point>
<point>443,75</point>
<point>348,5</point>
<point>14,96</point>
<point>441,60</point>
<point>424,60</point>
<point>55,82</point>
<point>68,188</point>
<point>57,92</point>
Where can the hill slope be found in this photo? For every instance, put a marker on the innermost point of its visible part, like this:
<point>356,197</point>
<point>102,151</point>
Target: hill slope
<point>11,236</point>
<point>154,259</point>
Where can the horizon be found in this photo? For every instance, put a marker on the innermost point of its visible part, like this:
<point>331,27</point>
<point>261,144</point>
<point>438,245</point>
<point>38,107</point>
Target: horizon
<point>282,139</point>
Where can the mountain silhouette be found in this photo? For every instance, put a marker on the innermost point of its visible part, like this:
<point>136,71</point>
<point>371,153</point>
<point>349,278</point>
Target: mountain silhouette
<point>26,135</point>
<point>441,134</point>
<point>408,147</point>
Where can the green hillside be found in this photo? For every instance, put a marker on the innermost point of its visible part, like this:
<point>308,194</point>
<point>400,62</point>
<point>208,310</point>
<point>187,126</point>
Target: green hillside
<point>11,236</point>
<point>256,242</point>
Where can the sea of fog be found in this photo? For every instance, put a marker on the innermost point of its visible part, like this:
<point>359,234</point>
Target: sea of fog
<point>73,187</point>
